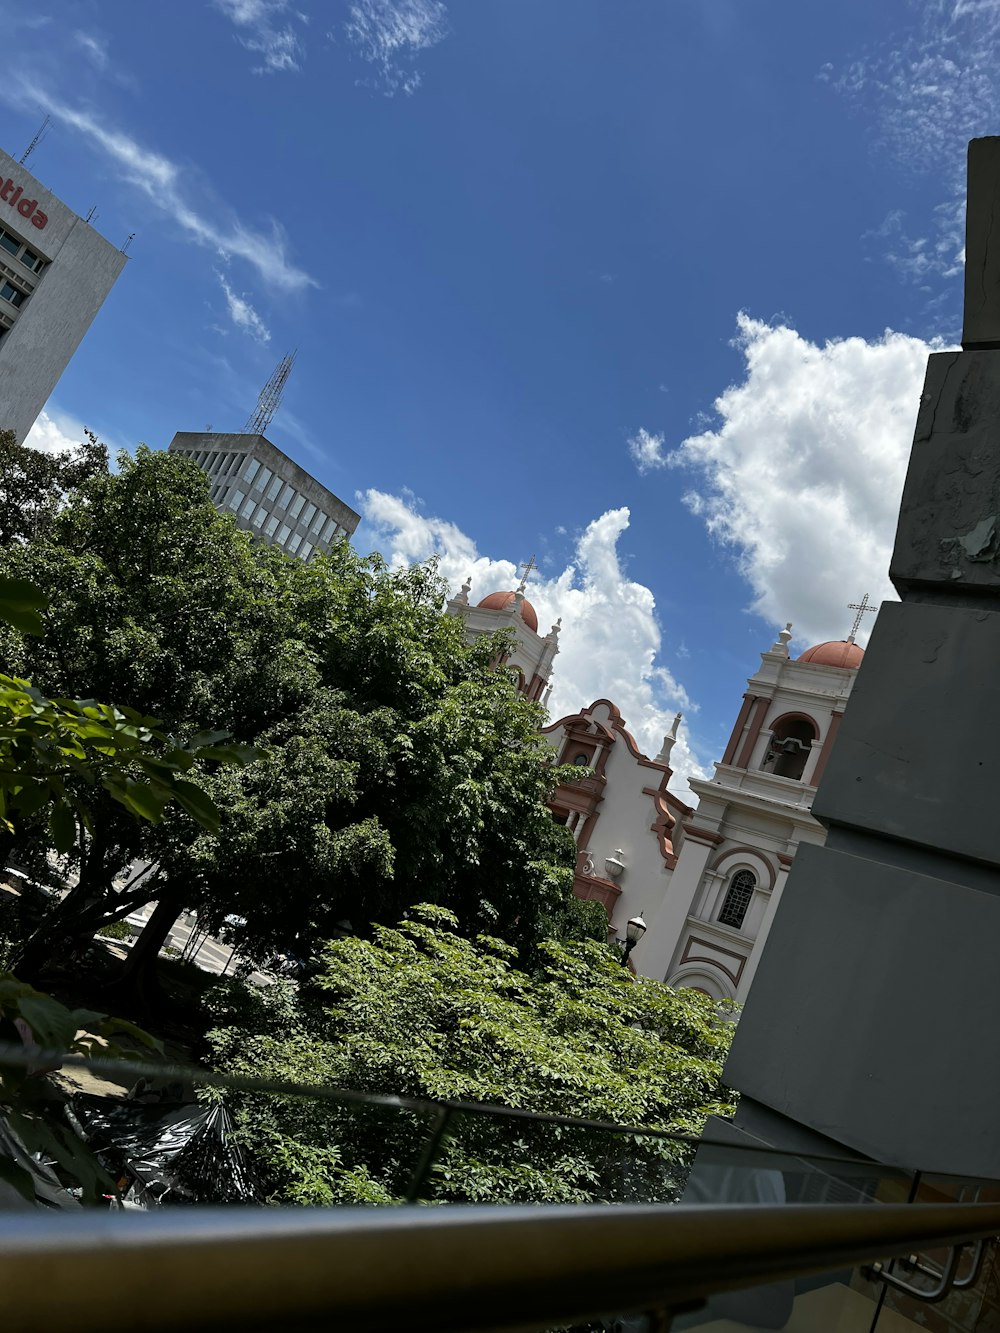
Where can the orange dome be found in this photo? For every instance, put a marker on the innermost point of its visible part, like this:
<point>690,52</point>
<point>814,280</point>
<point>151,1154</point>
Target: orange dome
<point>836,653</point>
<point>497,601</point>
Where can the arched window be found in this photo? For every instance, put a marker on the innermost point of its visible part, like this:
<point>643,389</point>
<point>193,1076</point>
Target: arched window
<point>791,745</point>
<point>737,900</point>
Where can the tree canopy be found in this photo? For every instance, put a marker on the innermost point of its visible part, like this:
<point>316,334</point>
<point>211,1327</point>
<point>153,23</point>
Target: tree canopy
<point>397,765</point>
<point>421,1011</point>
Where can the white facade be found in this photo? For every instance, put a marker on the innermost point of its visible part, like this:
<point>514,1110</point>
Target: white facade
<point>267,493</point>
<point>55,271</point>
<point>533,653</point>
<point>627,824</point>
<point>738,844</point>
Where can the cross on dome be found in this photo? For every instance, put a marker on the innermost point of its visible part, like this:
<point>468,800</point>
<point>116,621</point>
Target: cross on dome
<point>527,571</point>
<point>863,608</point>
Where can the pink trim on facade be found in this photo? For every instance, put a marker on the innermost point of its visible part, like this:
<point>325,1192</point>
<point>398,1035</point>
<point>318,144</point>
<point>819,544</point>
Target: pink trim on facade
<point>702,835</point>
<point>824,754</point>
<point>784,859</point>
<point>689,957</point>
<point>741,721</point>
<point>760,712</point>
<point>662,826</point>
<point>593,887</point>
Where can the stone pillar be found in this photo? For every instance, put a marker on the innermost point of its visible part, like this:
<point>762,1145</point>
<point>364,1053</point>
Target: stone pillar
<point>874,1018</point>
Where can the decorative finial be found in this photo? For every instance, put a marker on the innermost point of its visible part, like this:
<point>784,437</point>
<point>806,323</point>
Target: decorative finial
<point>554,631</point>
<point>863,608</point>
<point>462,597</point>
<point>669,740</point>
<point>780,645</point>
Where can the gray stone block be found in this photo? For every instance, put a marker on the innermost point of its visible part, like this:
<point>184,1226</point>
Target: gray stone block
<point>917,756</point>
<point>949,520</point>
<point>981,324</point>
<point>871,1014</point>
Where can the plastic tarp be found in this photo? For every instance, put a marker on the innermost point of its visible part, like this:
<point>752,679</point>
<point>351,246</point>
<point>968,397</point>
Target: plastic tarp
<point>49,1191</point>
<point>160,1153</point>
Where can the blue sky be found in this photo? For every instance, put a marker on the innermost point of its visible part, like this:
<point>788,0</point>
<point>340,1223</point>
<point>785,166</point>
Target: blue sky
<point>607,281</point>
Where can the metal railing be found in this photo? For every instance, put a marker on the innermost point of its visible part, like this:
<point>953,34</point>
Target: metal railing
<point>451,1270</point>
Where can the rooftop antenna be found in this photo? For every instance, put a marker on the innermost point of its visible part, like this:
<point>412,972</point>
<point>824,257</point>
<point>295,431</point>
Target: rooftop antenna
<point>42,131</point>
<point>92,214</point>
<point>270,397</point>
<point>128,241</point>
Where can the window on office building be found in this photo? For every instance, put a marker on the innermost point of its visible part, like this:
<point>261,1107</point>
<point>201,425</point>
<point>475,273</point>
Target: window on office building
<point>305,550</point>
<point>286,497</point>
<point>328,530</point>
<point>30,260</point>
<point>236,499</point>
<point>258,518</point>
<point>275,487</point>
<point>251,470</point>
<point>307,516</point>
<point>10,243</point>
<point>248,508</point>
<point>263,478</point>
<point>283,532</point>
<point>318,521</point>
<point>296,508</point>
<point>272,527</point>
<point>11,293</point>
<point>293,545</point>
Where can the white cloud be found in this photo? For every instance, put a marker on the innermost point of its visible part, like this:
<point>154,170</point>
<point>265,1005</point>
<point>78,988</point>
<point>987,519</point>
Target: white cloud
<point>610,638</point>
<point>265,33</point>
<point>804,469</point>
<point>53,433</point>
<point>389,34</point>
<point>646,451</point>
<point>94,48</point>
<point>242,313</point>
<point>165,184</point>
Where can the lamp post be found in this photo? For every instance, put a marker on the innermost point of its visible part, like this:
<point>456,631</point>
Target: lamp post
<point>634,931</point>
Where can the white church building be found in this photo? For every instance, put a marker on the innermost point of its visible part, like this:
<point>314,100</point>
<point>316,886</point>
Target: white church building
<point>705,878</point>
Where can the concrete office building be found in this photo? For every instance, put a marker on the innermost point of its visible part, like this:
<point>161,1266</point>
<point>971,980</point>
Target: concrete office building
<point>55,271</point>
<point>267,493</point>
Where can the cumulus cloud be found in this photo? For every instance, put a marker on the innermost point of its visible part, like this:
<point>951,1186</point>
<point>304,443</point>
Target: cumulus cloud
<point>390,34</point>
<point>242,313</point>
<point>165,184</point>
<point>263,30</point>
<point>53,433</point>
<point>803,470</point>
<point>646,451</point>
<point>610,639</point>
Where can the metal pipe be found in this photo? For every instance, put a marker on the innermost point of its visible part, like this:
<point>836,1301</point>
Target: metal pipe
<point>448,1269</point>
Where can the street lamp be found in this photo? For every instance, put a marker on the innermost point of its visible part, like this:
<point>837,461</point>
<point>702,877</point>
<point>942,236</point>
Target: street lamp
<point>634,931</point>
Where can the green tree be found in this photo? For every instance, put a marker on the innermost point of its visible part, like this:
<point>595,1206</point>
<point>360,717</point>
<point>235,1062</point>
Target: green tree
<point>398,765</point>
<point>33,484</point>
<point>421,1011</point>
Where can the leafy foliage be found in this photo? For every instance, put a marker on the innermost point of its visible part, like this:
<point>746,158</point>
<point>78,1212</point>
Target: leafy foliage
<point>33,484</point>
<point>421,1011</point>
<point>37,1022</point>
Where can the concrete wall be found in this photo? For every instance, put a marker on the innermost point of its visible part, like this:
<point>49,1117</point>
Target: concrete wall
<point>50,325</point>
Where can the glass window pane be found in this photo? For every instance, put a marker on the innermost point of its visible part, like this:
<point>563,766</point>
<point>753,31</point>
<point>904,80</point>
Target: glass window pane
<point>264,478</point>
<point>296,508</point>
<point>307,516</point>
<point>305,550</point>
<point>293,545</point>
<point>248,508</point>
<point>274,488</point>
<point>258,518</point>
<point>283,534</point>
<point>328,530</point>
<point>29,259</point>
<point>251,470</point>
<point>272,527</point>
<point>318,521</point>
<point>9,243</point>
<point>236,499</point>
<point>286,497</point>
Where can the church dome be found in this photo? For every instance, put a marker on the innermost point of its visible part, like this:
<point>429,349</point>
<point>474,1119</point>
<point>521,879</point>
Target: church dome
<point>499,601</point>
<point>835,653</point>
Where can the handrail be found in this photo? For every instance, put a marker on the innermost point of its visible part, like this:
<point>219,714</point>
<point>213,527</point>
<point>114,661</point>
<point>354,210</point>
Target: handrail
<point>449,1269</point>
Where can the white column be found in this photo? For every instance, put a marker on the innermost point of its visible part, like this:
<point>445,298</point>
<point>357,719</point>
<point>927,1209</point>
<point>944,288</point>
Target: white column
<point>654,951</point>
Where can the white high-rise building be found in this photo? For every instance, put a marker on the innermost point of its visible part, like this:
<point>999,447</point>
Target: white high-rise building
<point>55,271</point>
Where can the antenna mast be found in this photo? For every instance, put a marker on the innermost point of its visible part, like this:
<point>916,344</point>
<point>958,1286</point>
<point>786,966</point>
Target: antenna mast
<point>42,130</point>
<point>270,398</point>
